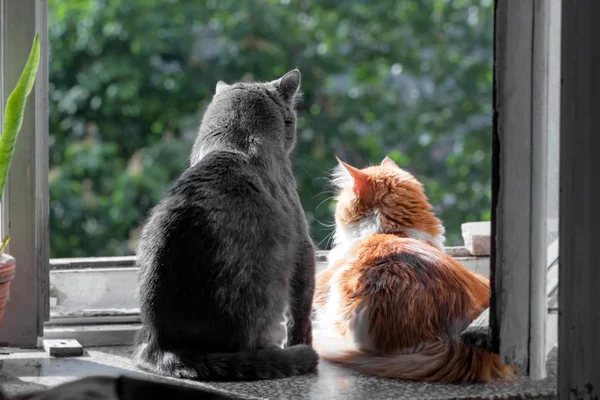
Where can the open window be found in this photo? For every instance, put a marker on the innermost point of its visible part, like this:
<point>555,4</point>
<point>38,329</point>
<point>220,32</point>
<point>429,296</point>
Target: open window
<point>115,144</point>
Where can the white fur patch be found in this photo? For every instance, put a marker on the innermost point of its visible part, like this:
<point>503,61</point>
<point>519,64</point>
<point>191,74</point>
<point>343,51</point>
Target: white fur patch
<point>330,313</point>
<point>437,241</point>
<point>328,343</point>
<point>138,354</point>
<point>197,157</point>
<point>341,178</point>
<point>347,236</point>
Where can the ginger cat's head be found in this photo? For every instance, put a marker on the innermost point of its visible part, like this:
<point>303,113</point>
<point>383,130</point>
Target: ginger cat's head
<point>383,199</point>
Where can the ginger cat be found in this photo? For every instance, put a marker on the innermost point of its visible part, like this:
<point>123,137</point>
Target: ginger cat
<point>391,299</point>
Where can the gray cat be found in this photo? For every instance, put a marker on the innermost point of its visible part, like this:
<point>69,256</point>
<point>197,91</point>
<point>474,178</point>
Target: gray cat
<point>227,253</point>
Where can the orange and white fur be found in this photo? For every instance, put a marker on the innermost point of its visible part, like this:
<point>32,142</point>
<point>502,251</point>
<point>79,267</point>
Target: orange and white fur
<point>391,302</point>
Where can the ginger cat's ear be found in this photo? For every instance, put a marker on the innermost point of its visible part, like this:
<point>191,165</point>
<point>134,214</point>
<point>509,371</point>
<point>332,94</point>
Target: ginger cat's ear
<point>388,162</point>
<point>359,178</point>
<point>220,87</point>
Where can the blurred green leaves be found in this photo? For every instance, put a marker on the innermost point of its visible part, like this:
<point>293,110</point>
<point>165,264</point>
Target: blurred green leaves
<point>129,81</point>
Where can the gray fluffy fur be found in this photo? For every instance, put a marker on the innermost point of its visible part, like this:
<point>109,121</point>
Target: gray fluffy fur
<point>227,253</point>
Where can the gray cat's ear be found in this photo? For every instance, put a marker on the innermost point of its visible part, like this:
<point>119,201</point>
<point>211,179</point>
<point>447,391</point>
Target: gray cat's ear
<point>289,84</point>
<point>220,87</point>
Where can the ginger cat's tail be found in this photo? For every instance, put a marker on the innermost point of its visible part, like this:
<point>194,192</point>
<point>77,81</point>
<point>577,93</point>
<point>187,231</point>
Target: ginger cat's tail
<point>439,362</point>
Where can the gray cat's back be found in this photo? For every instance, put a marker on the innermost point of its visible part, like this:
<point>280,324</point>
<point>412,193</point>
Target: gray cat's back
<point>221,217</point>
<point>226,252</point>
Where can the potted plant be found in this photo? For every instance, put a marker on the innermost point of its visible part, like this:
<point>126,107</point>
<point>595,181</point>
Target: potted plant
<point>13,119</point>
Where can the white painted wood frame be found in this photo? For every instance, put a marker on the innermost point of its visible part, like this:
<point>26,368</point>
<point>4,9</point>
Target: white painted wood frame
<point>545,130</point>
<point>526,75</point>
<point>25,200</point>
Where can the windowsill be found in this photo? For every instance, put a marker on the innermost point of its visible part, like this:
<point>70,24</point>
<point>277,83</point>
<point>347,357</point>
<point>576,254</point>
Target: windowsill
<point>101,290</point>
<point>104,287</point>
<point>330,382</point>
<point>93,299</point>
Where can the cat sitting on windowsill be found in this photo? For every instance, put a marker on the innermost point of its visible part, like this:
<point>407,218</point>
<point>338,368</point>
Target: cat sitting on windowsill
<point>392,303</point>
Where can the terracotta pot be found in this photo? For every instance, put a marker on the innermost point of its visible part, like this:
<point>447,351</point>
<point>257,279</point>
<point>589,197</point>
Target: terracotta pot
<point>7,273</point>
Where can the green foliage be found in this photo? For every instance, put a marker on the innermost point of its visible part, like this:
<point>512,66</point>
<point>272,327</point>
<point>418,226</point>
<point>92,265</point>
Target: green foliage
<point>129,81</point>
<point>13,113</point>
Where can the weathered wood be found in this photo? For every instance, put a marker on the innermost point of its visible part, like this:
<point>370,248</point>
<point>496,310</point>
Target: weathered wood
<point>552,316</point>
<point>539,148</point>
<point>25,200</point>
<point>478,333</point>
<point>129,261</point>
<point>41,165</point>
<point>511,230</point>
<point>545,120</point>
<point>579,272</point>
<point>62,347</point>
<point>476,236</point>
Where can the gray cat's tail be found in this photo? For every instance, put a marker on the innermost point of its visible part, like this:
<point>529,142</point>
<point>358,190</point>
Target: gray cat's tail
<point>244,366</point>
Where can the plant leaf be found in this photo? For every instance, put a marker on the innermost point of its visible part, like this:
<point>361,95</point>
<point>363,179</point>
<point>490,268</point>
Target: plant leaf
<point>15,107</point>
<point>4,243</point>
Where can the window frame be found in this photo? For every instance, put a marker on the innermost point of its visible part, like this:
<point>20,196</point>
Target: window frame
<point>526,76</point>
<point>87,291</point>
<point>24,207</point>
<point>100,326</point>
<point>579,321</point>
